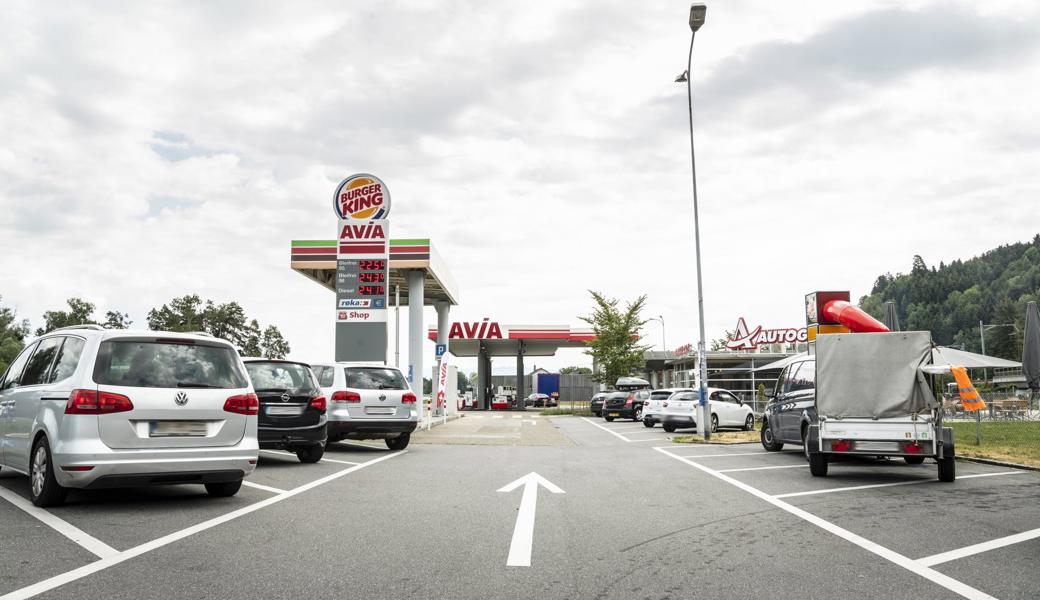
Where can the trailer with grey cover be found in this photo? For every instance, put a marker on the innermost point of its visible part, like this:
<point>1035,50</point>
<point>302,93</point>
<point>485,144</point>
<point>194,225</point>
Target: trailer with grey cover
<point>874,398</point>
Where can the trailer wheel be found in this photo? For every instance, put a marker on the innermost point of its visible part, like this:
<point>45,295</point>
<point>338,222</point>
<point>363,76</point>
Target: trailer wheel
<point>947,469</point>
<point>818,464</point>
<point>913,460</point>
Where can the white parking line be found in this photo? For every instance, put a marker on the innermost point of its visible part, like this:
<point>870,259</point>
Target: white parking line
<point>881,485</point>
<point>263,487</point>
<point>762,469</point>
<point>725,455</point>
<point>892,556</point>
<point>336,460</point>
<point>119,557</point>
<point>85,540</point>
<point>360,445</point>
<point>936,559</point>
<point>614,433</point>
<point>280,452</point>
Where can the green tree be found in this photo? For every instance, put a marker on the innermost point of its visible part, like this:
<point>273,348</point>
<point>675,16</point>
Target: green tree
<point>273,344</point>
<point>616,348</point>
<point>117,320</point>
<point>80,312</point>
<point>427,385</point>
<point>251,340</point>
<point>720,343</point>
<point>12,336</point>
<point>181,314</point>
<point>463,381</point>
<point>575,371</point>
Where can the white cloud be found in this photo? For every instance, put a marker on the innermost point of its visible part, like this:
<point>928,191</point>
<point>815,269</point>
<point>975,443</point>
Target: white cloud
<point>162,149</point>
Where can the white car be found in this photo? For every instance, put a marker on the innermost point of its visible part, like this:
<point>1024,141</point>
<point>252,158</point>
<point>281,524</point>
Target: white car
<point>652,409</point>
<point>367,401</point>
<point>680,411</point>
<point>86,407</point>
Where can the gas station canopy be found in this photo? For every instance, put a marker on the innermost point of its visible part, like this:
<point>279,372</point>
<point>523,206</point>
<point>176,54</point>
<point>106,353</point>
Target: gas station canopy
<point>466,339</point>
<point>316,260</point>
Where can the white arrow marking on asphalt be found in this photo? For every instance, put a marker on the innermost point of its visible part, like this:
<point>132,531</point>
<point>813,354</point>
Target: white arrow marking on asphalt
<point>523,532</point>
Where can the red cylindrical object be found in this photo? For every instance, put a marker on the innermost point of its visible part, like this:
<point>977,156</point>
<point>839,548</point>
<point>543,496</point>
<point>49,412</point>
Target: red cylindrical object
<point>853,317</point>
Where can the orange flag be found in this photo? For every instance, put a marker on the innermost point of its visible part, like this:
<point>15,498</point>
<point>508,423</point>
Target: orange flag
<point>970,398</point>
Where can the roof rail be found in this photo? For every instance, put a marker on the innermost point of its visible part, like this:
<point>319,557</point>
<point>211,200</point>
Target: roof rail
<point>93,326</point>
<point>205,333</point>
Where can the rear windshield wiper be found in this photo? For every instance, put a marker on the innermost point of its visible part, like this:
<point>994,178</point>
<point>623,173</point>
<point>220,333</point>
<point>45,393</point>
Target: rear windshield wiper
<point>196,384</point>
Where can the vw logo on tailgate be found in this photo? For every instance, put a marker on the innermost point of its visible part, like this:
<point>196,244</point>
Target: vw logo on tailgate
<point>180,399</point>
<point>382,396</point>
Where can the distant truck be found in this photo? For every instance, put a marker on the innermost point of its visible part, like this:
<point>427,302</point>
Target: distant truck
<point>873,397</point>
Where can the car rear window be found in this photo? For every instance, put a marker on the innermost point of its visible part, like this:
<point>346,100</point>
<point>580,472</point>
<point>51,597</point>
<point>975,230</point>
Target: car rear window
<point>663,395</point>
<point>167,364</point>
<point>277,376</point>
<point>374,378</point>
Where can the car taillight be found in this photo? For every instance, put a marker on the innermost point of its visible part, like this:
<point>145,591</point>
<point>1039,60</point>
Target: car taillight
<point>408,398</point>
<point>664,405</point>
<point>90,402</point>
<point>912,448</point>
<point>841,446</point>
<point>628,401</point>
<point>244,404</point>
<point>318,402</point>
<point>342,396</point>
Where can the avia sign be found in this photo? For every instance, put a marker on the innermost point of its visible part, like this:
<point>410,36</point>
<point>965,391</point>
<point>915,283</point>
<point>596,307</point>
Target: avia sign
<point>749,339</point>
<point>481,330</point>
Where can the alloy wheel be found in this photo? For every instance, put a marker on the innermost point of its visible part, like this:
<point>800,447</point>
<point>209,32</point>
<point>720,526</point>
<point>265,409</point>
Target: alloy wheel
<point>39,470</point>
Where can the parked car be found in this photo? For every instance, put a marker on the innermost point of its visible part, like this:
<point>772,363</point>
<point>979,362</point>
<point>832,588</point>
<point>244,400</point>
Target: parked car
<point>292,409</point>
<point>367,401</point>
<point>625,405</point>
<point>86,407</point>
<point>596,403</point>
<point>792,408</point>
<point>680,411</point>
<point>652,408</point>
<point>539,400</point>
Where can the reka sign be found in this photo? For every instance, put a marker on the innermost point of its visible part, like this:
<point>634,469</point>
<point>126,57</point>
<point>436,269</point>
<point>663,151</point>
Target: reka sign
<point>745,339</point>
<point>481,330</point>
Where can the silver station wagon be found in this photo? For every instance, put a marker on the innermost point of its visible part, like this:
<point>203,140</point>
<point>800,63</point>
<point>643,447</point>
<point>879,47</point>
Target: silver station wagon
<point>85,407</point>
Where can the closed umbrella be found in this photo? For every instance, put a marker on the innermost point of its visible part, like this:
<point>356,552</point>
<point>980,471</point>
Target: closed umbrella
<point>1031,348</point>
<point>891,319</point>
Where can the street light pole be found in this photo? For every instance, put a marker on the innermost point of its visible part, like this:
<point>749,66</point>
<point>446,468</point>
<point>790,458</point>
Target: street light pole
<point>664,340</point>
<point>697,12</point>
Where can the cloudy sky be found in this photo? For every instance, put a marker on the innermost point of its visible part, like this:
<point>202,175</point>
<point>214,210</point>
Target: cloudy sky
<point>156,149</point>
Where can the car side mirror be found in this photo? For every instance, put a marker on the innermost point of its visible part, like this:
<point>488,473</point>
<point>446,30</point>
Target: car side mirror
<point>770,394</point>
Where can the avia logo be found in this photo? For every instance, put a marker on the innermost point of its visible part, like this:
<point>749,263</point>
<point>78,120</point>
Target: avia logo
<point>368,231</point>
<point>745,339</point>
<point>481,330</point>
<point>362,197</point>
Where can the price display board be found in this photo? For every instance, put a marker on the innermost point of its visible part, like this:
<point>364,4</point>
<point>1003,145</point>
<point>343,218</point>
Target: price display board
<point>362,281</point>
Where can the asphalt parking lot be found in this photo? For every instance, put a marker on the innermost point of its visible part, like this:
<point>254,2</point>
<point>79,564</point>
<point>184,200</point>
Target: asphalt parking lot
<point>640,518</point>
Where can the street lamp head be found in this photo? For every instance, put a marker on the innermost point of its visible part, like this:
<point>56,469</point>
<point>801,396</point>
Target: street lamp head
<point>697,16</point>
<point>682,77</point>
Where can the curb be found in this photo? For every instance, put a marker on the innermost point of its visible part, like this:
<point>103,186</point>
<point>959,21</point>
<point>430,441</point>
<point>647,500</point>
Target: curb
<point>998,463</point>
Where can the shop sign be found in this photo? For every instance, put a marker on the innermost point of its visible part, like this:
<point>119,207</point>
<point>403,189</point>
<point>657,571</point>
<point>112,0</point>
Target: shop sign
<point>750,339</point>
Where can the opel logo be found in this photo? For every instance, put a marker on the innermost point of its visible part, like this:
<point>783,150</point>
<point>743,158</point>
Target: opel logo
<point>180,399</point>
<point>285,396</point>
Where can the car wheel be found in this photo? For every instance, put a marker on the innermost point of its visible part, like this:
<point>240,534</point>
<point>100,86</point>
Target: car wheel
<point>818,464</point>
<point>714,423</point>
<point>805,442</point>
<point>639,414</point>
<point>224,488</point>
<point>947,469</point>
<point>609,419</point>
<point>768,441</point>
<point>310,454</point>
<point>913,460</point>
<point>669,428</point>
<point>648,423</point>
<point>749,423</point>
<point>400,442</point>
<point>44,490</point>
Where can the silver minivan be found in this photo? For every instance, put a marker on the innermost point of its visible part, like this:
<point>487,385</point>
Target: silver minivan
<point>85,407</point>
<point>367,401</point>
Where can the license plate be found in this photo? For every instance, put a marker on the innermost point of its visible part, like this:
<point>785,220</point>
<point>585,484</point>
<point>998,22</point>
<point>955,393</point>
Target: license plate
<point>281,411</point>
<point>613,414</point>
<point>878,446</point>
<point>177,429</point>
<point>379,410</point>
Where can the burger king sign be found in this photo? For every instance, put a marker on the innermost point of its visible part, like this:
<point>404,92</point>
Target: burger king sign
<point>362,197</point>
